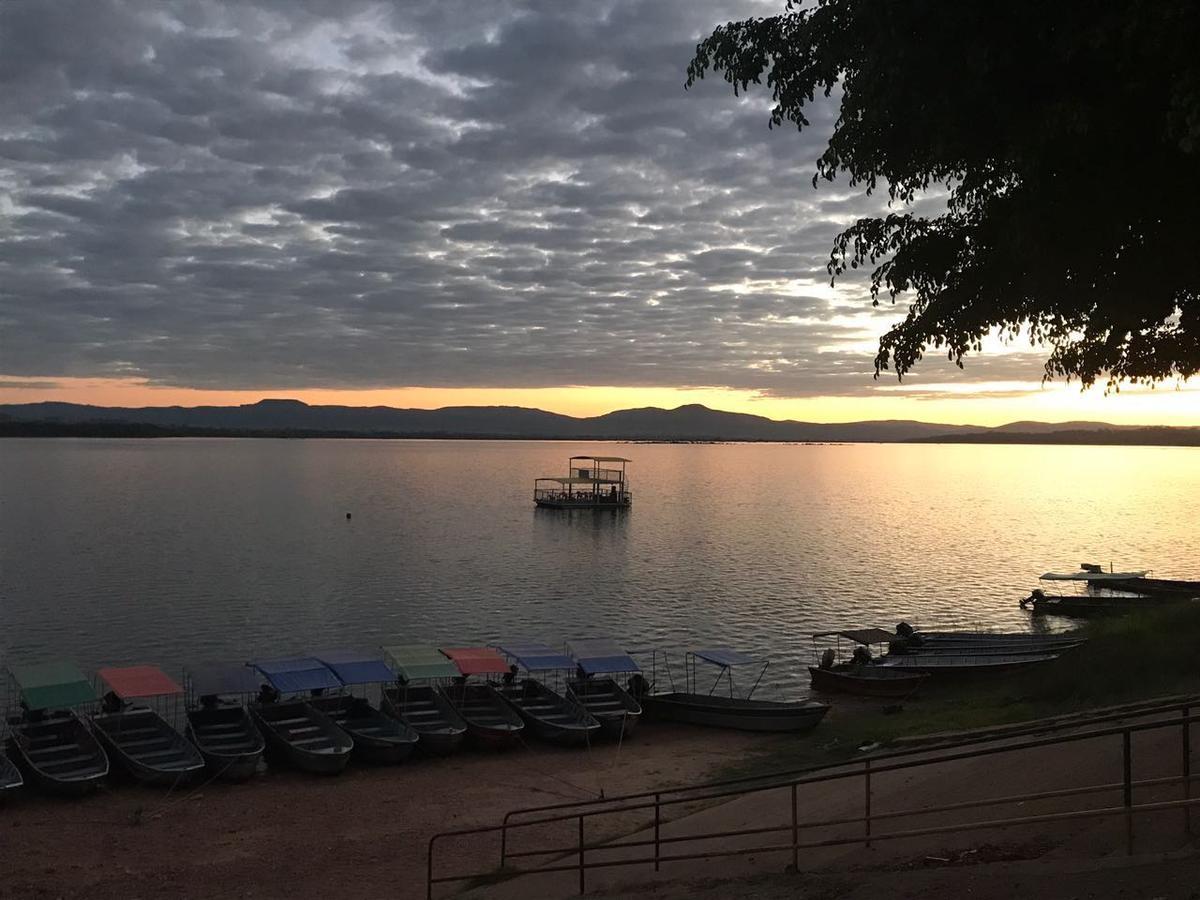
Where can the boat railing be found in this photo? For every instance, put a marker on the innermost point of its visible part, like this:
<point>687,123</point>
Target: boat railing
<point>582,494</point>
<point>559,832</point>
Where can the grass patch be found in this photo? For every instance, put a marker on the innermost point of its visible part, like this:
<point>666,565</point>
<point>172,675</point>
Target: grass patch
<point>1126,659</point>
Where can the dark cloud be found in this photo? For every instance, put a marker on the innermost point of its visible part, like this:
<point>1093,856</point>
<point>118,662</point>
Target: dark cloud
<point>301,194</point>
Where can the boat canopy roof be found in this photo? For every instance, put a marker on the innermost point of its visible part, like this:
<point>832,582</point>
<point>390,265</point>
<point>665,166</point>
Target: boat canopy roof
<point>214,679</point>
<point>53,685</point>
<point>302,673</point>
<point>477,660</point>
<point>356,667</point>
<point>537,657</point>
<point>1093,576</point>
<point>418,662</point>
<point>860,635</point>
<point>135,682</point>
<point>620,459</point>
<point>574,479</point>
<point>725,656</point>
<point>601,656</point>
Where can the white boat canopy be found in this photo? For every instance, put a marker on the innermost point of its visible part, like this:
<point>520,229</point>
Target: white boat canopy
<point>1093,576</point>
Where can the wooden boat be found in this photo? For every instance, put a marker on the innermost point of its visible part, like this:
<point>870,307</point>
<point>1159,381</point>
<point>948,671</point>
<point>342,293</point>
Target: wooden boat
<point>1158,586</point>
<point>50,743</point>
<point>491,722</point>
<point>866,680</point>
<point>218,722</point>
<point>734,712</point>
<point>965,665</point>
<point>141,741</point>
<point>1088,605</point>
<point>742,713</point>
<point>592,482</point>
<point>378,738</point>
<point>417,701</point>
<point>598,662</point>
<point>304,736</point>
<point>10,777</point>
<point>294,729</point>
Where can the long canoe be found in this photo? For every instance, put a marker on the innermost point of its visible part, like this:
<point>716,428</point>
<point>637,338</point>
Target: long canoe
<point>59,753</point>
<point>866,680</point>
<point>965,665</point>
<point>491,722</point>
<point>610,704</point>
<point>228,739</point>
<point>734,712</point>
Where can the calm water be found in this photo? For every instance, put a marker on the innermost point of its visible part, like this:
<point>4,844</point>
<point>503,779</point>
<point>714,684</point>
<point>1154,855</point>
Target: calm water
<point>174,550</point>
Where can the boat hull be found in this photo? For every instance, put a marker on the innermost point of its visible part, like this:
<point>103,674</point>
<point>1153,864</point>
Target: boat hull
<point>145,746</point>
<point>378,739</point>
<point>59,754</point>
<point>429,712</point>
<point>868,683</point>
<point>966,666</point>
<point>303,736</point>
<point>734,713</point>
<point>228,740</point>
<point>610,704</point>
<point>491,723</point>
<point>549,716</point>
<point>1084,606</point>
<point>10,777</point>
<point>1159,586</point>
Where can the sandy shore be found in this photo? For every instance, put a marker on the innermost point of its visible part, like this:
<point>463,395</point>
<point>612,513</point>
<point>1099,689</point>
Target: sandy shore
<point>285,834</point>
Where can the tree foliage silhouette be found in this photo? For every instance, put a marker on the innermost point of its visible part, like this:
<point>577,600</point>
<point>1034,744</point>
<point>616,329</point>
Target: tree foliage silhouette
<point>1066,135</point>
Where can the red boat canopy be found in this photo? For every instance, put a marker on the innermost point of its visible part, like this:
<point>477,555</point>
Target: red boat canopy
<point>131,682</point>
<point>477,660</point>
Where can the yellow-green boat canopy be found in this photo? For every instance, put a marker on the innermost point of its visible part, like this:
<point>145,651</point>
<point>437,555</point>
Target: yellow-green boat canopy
<point>420,662</point>
<point>53,685</point>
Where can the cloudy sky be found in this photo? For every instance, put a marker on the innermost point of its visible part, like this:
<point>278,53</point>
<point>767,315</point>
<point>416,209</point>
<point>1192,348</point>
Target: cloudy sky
<point>430,202</point>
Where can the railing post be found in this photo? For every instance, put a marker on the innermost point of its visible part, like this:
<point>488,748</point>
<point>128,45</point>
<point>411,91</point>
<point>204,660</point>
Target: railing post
<point>504,842</point>
<point>1187,770</point>
<point>429,870</point>
<point>581,870</point>
<point>867,799</point>
<point>657,825</point>
<point>1128,792</point>
<point>795,833</point>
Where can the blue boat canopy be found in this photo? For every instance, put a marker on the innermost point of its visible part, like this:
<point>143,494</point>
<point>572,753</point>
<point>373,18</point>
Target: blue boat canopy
<point>216,679</point>
<point>724,656</point>
<point>290,676</point>
<point>601,656</point>
<point>537,657</point>
<point>357,667</point>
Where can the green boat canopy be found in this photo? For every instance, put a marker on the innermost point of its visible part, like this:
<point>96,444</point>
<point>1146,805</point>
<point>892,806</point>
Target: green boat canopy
<point>419,662</point>
<point>53,685</point>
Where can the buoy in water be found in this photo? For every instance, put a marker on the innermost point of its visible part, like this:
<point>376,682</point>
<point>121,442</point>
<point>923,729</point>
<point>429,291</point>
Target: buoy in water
<point>347,515</point>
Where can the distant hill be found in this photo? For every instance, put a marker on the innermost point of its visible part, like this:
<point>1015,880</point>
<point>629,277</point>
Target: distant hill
<point>293,418</point>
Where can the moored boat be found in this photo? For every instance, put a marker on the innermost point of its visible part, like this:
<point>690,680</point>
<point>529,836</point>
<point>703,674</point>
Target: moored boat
<point>599,662</point>
<point>592,482</point>
<point>966,664</point>
<point>491,722</point>
<point>417,700</point>
<point>139,739</point>
<point>50,742</point>
<point>378,738</point>
<point>218,722</point>
<point>1159,586</point>
<point>294,730</point>
<point>547,714</point>
<point>742,713</point>
<point>1082,606</point>
<point>10,777</point>
<point>865,680</point>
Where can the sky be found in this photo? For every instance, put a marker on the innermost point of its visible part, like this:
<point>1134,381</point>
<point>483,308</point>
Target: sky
<point>441,203</point>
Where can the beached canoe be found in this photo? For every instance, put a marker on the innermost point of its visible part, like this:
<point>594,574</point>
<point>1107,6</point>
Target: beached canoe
<point>734,712</point>
<point>866,680</point>
<point>599,662</point>
<point>491,722</point>
<point>965,665</point>
<point>378,738</point>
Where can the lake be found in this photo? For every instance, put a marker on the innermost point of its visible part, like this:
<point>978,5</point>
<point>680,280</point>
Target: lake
<point>168,551</point>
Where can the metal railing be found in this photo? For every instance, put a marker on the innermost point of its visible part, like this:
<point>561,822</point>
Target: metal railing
<point>649,850</point>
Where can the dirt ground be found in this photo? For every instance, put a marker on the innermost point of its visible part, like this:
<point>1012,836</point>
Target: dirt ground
<point>286,834</point>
